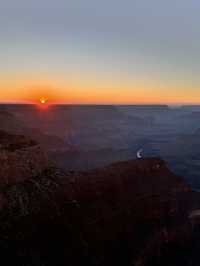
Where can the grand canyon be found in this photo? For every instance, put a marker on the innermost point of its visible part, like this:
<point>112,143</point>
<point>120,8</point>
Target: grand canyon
<point>73,192</point>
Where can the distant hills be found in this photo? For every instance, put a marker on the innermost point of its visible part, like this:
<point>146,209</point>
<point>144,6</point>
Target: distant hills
<point>83,137</point>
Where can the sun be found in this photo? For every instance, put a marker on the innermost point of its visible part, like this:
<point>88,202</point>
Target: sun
<point>43,101</point>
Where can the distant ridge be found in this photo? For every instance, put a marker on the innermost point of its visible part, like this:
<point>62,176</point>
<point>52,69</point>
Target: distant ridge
<point>145,108</point>
<point>195,107</point>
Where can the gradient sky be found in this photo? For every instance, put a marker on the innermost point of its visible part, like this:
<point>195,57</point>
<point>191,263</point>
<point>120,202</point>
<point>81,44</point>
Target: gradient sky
<point>92,51</point>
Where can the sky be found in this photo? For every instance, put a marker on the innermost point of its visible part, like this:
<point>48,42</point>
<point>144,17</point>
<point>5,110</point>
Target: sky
<point>108,51</point>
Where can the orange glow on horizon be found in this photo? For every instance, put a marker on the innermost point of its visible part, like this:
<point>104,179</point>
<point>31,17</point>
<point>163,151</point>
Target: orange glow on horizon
<point>46,90</point>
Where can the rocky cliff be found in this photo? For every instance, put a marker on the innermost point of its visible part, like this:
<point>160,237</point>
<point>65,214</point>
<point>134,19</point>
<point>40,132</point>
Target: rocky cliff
<point>129,213</point>
<point>20,158</point>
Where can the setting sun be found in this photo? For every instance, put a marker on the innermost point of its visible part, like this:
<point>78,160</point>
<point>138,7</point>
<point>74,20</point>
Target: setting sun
<point>42,101</point>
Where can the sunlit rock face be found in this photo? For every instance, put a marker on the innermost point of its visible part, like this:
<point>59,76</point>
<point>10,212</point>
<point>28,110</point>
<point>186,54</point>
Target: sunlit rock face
<point>20,158</point>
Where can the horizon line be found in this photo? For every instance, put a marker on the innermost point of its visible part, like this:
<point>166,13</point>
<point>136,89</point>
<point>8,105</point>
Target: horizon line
<point>95,104</point>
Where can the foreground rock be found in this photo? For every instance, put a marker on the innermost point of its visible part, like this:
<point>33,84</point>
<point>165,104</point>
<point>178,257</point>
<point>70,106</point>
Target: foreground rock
<point>129,213</point>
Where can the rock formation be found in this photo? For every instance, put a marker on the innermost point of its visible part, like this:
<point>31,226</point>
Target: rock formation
<point>129,213</point>
<point>20,158</point>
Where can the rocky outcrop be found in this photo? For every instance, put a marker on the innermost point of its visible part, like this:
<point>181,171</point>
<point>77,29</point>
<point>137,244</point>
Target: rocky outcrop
<point>20,159</point>
<point>129,213</point>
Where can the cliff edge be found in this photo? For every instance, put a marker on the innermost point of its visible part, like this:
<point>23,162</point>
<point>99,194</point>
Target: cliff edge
<point>129,213</point>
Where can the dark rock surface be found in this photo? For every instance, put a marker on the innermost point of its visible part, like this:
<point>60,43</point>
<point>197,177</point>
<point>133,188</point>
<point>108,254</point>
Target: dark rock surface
<point>129,213</point>
<point>20,158</point>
